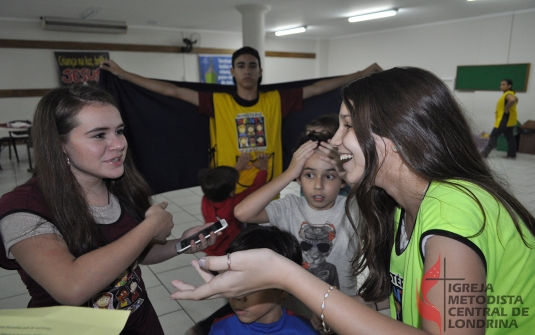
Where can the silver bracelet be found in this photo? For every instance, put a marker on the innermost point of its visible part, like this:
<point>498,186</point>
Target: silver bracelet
<point>326,329</point>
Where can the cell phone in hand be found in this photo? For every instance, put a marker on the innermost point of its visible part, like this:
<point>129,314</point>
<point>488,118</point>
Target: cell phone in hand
<point>185,244</point>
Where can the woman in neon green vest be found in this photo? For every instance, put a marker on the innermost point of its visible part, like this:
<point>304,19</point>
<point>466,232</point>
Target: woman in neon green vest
<point>506,119</point>
<point>450,246</point>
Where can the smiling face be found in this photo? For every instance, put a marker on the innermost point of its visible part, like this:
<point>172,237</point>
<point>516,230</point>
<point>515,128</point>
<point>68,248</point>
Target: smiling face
<point>351,154</point>
<point>122,295</point>
<point>104,300</point>
<point>320,183</point>
<point>262,306</point>
<point>246,71</point>
<point>96,147</point>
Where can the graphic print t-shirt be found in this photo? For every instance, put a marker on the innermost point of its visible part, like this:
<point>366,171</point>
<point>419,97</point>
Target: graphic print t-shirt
<point>326,238</point>
<point>238,126</point>
<point>125,294</point>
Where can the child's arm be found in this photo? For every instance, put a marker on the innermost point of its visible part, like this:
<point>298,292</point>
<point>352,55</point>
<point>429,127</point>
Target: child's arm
<point>252,209</point>
<point>327,85</point>
<point>158,86</point>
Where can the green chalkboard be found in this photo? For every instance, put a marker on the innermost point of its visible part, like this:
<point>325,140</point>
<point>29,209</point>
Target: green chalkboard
<point>488,77</point>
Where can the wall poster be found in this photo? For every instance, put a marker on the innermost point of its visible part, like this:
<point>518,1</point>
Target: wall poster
<point>79,67</point>
<point>215,69</point>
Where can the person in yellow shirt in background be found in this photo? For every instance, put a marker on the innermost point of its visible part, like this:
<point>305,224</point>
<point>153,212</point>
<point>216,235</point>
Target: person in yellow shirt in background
<point>506,119</point>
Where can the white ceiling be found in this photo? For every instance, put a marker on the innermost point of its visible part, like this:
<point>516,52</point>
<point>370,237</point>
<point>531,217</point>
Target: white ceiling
<point>324,18</point>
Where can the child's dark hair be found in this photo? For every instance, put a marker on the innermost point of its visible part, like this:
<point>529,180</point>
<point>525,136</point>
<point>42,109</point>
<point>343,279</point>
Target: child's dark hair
<point>313,136</point>
<point>270,237</point>
<point>218,183</point>
<point>328,122</point>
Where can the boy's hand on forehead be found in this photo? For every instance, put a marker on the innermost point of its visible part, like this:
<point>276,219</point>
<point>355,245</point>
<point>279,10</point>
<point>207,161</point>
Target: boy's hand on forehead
<point>300,157</point>
<point>331,156</point>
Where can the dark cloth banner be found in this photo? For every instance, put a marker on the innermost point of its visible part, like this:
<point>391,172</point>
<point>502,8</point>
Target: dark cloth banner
<point>170,140</point>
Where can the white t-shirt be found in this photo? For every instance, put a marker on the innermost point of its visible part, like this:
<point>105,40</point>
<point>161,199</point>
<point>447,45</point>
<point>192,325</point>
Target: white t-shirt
<point>327,238</point>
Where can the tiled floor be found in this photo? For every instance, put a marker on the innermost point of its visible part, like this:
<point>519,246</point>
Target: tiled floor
<point>177,317</point>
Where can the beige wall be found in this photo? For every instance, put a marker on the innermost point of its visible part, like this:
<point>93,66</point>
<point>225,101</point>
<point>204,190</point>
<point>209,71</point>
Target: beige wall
<point>441,47</point>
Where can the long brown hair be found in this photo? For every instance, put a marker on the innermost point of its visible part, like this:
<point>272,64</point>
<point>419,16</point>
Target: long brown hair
<point>55,116</point>
<point>417,112</point>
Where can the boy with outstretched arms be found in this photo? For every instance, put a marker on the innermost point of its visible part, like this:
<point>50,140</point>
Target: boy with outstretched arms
<point>247,121</point>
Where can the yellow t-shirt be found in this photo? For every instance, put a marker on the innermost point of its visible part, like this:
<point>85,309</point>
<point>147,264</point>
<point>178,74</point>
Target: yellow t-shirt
<point>236,129</point>
<point>500,109</point>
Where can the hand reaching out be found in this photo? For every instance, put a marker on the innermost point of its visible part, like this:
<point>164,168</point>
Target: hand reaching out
<point>251,270</point>
<point>261,162</point>
<point>112,67</point>
<point>243,162</point>
<point>331,156</point>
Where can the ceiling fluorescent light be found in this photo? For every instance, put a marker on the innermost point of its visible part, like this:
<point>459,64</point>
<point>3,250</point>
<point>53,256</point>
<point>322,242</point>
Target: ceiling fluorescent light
<point>290,31</point>
<point>371,16</point>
